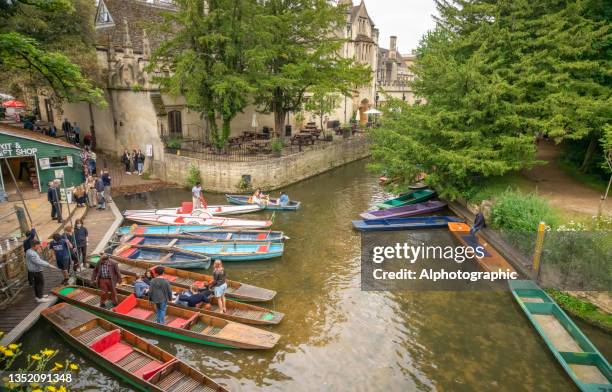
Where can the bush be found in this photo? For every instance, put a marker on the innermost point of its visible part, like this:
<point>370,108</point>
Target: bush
<point>175,143</point>
<point>276,145</point>
<point>193,176</point>
<point>519,212</point>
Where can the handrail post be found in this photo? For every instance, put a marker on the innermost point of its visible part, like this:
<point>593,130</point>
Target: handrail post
<point>537,256</point>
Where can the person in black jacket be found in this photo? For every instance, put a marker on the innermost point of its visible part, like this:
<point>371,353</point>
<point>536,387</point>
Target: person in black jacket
<point>160,293</point>
<point>27,244</point>
<point>54,197</point>
<point>479,223</point>
<point>82,239</point>
<point>126,159</point>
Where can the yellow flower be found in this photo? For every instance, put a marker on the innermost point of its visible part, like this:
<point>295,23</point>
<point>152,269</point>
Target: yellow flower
<point>13,346</point>
<point>37,390</point>
<point>51,388</point>
<point>74,366</point>
<point>36,357</point>
<point>2,349</point>
<point>1,334</point>
<point>62,389</point>
<point>58,365</point>
<point>9,353</point>
<point>48,352</point>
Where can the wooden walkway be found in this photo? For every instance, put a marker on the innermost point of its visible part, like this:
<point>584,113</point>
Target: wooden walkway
<point>18,317</point>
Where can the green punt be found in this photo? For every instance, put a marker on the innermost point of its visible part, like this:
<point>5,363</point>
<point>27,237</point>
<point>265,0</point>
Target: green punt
<point>579,357</point>
<point>408,198</point>
<point>179,324</point>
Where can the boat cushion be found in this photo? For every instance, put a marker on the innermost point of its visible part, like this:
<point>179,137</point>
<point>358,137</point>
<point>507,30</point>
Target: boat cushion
<point>149,375</point>
<point>178,322</point>
<point>180,219</point>
<point>186,208</point>
<point>106,340</point>
<point>117,352</point>
<point>126,305</point>
<point>262,236</point>
<point>128,252</point>
<point>262,249</point>
<point>136,240</point>
<point>109,346</point>
<point>152,366</point>
<point>139,313</point>
<point>169,278</point>
<point>139,230</point>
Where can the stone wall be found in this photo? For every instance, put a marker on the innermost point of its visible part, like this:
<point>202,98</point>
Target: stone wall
<point>268,174</point>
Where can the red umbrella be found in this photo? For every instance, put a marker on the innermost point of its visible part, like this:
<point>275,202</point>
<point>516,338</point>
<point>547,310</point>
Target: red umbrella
<point>14,104</point>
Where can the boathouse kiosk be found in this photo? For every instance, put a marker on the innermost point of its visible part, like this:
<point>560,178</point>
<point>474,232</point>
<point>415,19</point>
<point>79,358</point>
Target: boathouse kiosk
<point>36,159</point>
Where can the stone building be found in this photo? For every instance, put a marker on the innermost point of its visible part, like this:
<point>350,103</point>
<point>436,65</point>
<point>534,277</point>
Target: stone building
<point>140,116</point>
<point>394,74</point>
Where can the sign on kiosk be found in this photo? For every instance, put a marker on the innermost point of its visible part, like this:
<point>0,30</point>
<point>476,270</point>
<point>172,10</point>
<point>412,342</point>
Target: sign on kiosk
<point>15,150</point>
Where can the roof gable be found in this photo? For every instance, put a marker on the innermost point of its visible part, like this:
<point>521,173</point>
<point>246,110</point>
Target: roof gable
<point>103,16</point>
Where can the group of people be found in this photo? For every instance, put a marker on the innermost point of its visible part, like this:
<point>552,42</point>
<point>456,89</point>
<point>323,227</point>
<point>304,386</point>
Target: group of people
<point>88,160</point>
<point>260,198</point>
<point>72,133</point>
<point>133,161</point>
<point>95,192</point>
<point>156,288</point>
<point>69,250</point>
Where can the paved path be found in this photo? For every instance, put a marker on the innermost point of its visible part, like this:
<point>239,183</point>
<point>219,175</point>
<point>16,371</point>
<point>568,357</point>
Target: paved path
<point>562,190</point>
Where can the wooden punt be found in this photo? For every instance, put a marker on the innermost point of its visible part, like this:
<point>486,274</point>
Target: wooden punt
<point>235,290</point>
<point>413,197</point>
<point>426,207</point>
<point>218,222</point>
<point>186,209</point>
<point>272,205</point>
<point>413,223</point>
<point>492,261</point>
<point>221,250</point>
<point>180,323</point>
<point>205,236</point>
<point>236,311</point>
<point>167,257</point>
<point>127,356</point>
<point>573,350</point>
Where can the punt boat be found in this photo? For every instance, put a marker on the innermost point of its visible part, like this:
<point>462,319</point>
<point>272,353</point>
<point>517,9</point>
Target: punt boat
<point>186,209</point>
<point>186,232</point>
<point>272,205</point>
<point>492,261</point>
<point>182,324</point>
<point>176,258</point>
<point>127,356</point>
<point>414,223</point>
<point>204,220</point>
<point>572,349</point>
<point>224,251</point>
<point>405,211</point>
<point>413,197</point>
<point>235,290</point>
<point>236,311</point>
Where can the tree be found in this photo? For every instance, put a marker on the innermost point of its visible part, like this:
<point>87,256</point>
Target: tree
<point>298,50</point>
<point>494,74</point>
<point>45,44</point>
<point>207,56</point>
<point>322,102</point>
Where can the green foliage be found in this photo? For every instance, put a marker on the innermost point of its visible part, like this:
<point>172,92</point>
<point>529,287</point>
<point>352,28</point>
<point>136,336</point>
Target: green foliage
<point>518,212</point>
<point>243,184</point>
<point>193,176</point>
<point>493,75</point>
<point>582,309</point>
<point>49,45</point>
<point>175,143</point>
<point>276,145</point>
<point>490,188</point>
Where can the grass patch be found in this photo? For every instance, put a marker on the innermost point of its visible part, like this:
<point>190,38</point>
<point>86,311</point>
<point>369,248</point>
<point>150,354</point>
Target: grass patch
<point>492,187</point>
<point>521,213</point>
<point>582,309</point>
<point>593,181</point>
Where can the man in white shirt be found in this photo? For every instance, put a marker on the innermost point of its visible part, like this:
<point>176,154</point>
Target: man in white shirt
<point>196,195</point>
<point>35,265</point>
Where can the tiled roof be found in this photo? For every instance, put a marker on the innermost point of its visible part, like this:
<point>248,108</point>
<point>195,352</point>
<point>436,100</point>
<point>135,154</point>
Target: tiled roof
<point>35,136</point>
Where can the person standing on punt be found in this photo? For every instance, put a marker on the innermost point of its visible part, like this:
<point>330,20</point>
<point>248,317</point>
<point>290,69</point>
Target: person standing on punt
<point>220,285</point>
<point>479,223</point>
<point>160,293</point>
<point>196,195</point>
<point>105,276</point>
<point>283,200</point>
<point>35,264</point>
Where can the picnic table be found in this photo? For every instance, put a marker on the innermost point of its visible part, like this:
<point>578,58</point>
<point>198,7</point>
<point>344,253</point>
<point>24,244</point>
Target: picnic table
<point>259,146</point>
<point>303,139</point>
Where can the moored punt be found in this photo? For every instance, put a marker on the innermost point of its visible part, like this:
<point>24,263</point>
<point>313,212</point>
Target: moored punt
<point>222,250</point>
<point>573,350</point>
<point>131,358</point>
<point>182,324</point>
<point>426,222</point>
<point>176,258</point>
<point>186,209</point>
<point>203,221</point>
<point>209,235</point>
<point>409,198</point>
<point>236,311</point>
<point>492,261</point>
<point>157,229</point>
<point>235,290</point>
<point>404,211</point>
<point>272,205</point>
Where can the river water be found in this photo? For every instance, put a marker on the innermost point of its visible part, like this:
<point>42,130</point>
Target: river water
<point>336,337</point>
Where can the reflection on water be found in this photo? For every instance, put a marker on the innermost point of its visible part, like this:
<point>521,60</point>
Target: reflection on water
<point>336,337</point>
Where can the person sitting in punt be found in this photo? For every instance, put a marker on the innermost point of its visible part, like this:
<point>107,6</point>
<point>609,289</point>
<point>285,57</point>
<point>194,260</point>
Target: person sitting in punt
<point>256,198</point>
<point>283,200</point>
<point>147,277</point>
<point>141,288</point>
<point>196,297</point>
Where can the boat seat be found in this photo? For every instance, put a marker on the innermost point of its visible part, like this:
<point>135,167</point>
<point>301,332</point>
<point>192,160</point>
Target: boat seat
<point>139,313</point>
<point>139,230</point>
<point>180,219</point>
<point>152,372</point>
<point>186,208</point>
<point>262,236</point>
<point>200,283</point>
<point>153,366</point>
<point>169,278</point>
<point>181,323</point>
<point>128,252</point>
<point>262,249</point>
<point>136,240</point>
<point>109,346</point>
<point>126,305</point>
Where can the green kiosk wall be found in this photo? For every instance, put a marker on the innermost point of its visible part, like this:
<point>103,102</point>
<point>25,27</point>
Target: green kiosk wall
<point>53,157</point>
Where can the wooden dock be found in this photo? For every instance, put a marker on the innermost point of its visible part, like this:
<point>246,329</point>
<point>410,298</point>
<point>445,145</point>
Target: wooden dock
<point>21,315</point>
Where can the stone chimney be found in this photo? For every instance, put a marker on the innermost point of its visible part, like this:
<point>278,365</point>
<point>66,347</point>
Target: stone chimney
<point>393,47</point>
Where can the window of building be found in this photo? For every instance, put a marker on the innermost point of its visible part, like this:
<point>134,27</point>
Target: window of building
<point>175,122</point>
<point>60,161</point>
